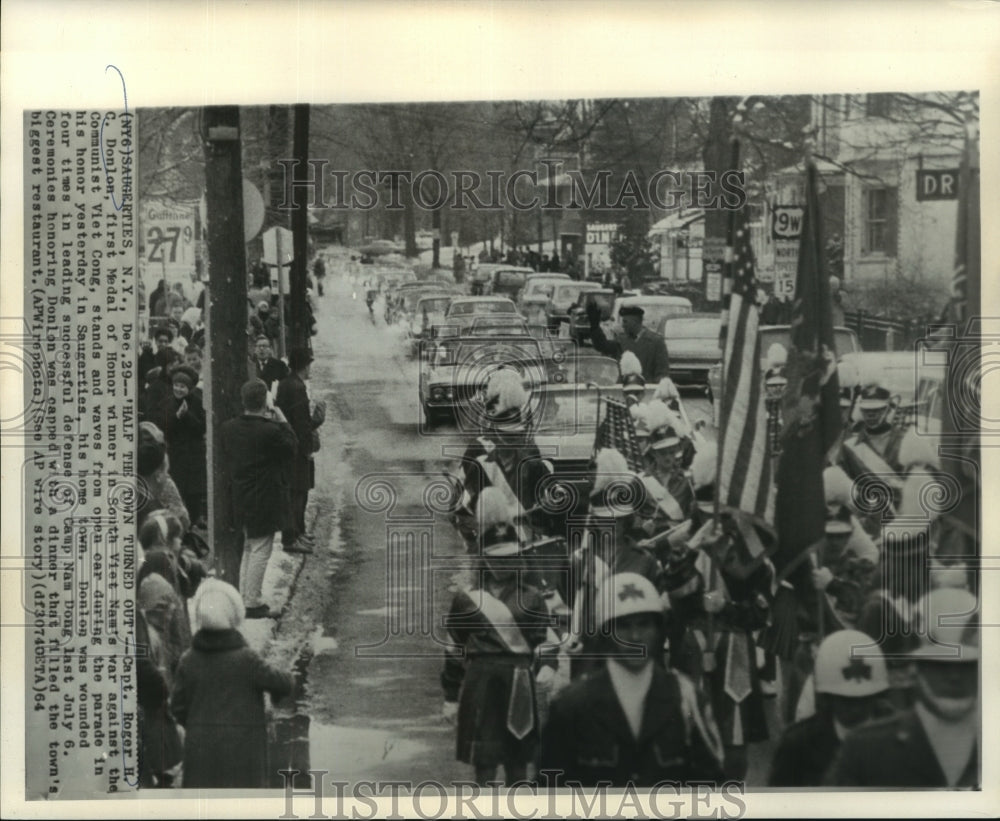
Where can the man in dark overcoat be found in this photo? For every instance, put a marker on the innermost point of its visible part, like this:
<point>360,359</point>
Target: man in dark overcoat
<point>258,448</point>
<point>293,400</point>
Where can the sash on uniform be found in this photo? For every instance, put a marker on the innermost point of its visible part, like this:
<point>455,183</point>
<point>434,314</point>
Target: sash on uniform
<point>520,707</point>
<point>869,460</point>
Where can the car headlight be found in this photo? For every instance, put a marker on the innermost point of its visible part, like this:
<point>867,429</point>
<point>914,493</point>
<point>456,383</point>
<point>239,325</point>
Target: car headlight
<point>450,393</point>
<point>437,394</point>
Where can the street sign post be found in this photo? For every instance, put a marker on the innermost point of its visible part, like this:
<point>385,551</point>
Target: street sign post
<point>786,222</point>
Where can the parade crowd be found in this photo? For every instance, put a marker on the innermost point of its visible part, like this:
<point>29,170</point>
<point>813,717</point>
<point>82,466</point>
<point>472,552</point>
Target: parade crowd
<point>652,655</point>
<point>201,688</point>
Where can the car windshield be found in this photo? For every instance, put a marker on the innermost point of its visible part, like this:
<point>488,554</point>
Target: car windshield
<point>499,329</point>
<point>654,314</point>
<point>467,308</point>
<point>843,340</point>
<point>437,305</point>
<point>509,279</point>
<point>700,328</point>
<point>567,411</point>
<point>566,295</point>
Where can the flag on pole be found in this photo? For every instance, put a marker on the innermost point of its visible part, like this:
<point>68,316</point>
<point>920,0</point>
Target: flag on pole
<point>744,477</point>
<point>960,412</point>
<point>810,406</point>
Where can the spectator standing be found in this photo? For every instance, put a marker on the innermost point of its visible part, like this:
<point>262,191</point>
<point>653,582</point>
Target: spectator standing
<point>218,696</point>
<point>319,274</point>
<point>258,448</point>
<point>184,431</point>
<point>266,366</point>
<point>293,400</point>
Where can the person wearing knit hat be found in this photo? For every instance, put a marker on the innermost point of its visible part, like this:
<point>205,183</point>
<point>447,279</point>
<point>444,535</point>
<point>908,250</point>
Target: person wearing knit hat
<point>218,696</point>
<point>496,626</point>
<point>184,426</point>
<point>158,630</point>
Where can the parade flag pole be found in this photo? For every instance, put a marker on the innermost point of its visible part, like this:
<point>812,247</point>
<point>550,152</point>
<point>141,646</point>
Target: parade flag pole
<point>811,424</point>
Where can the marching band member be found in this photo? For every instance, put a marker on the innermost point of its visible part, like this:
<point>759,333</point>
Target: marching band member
<point>850,680</point>
<point>633,385</point>
<point>936,743</point>
<point>505,455</point>
<point>496,627</point>
<point>631,722</point>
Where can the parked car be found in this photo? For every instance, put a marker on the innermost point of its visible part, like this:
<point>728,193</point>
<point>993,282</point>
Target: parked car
<point>655,308</point>
<point>428,312</point>
<point>564,296</point>
<point>506,281</point>
<point>844,340</point>
<point>483,272</point>
<point>692,346</point>
<point>456,370</point>
<point>540,285</point>
<point>463,310</point>
<point>579,323</point>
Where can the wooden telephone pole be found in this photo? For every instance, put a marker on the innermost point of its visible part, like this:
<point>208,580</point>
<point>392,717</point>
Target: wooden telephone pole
<point>299,333</point>
<point>225,319</point>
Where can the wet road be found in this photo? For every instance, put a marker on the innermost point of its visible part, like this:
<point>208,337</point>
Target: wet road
<point>373,695</point>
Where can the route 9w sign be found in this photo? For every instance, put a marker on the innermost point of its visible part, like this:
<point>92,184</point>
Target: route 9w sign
<point>786,221</point>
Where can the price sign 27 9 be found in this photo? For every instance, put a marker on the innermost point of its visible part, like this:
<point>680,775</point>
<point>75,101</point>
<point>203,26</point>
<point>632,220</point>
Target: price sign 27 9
<point>162,242</point>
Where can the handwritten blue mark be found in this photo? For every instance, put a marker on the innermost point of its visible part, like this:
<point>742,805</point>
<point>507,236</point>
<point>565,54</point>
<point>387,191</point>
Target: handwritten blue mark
<point>128,151</point>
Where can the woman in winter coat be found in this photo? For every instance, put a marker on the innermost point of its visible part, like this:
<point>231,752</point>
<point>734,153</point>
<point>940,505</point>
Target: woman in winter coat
<point>218,696</point>
<point>184,431</point>
<point>157,633</point>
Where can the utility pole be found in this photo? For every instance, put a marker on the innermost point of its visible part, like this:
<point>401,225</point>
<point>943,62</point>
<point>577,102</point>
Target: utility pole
<point>300,330</point>
<point>716,157</point>
<point>226,319</point>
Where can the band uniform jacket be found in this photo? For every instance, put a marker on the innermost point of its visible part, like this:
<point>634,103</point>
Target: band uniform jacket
<point>648,346</point>
<point>489,670</point>
<point>805,753</point>
<point>516,468</point>
<point>589,740</point>
<point>895,752</point>
<point>257,453</point>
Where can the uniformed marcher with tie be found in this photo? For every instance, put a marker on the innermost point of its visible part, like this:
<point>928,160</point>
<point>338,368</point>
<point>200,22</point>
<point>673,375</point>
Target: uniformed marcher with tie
<point>496,628</point>
<point>631,722</point>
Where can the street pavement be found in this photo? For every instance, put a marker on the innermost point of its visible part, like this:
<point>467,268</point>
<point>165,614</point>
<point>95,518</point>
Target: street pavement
<point>363,621</point>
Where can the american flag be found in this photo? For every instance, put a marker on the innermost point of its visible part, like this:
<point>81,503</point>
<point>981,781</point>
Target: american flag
<point>744,477</point>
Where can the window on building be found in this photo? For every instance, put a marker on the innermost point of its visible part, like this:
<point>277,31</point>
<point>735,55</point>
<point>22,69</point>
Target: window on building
<point>878,105</point>
<point>880,221</point>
